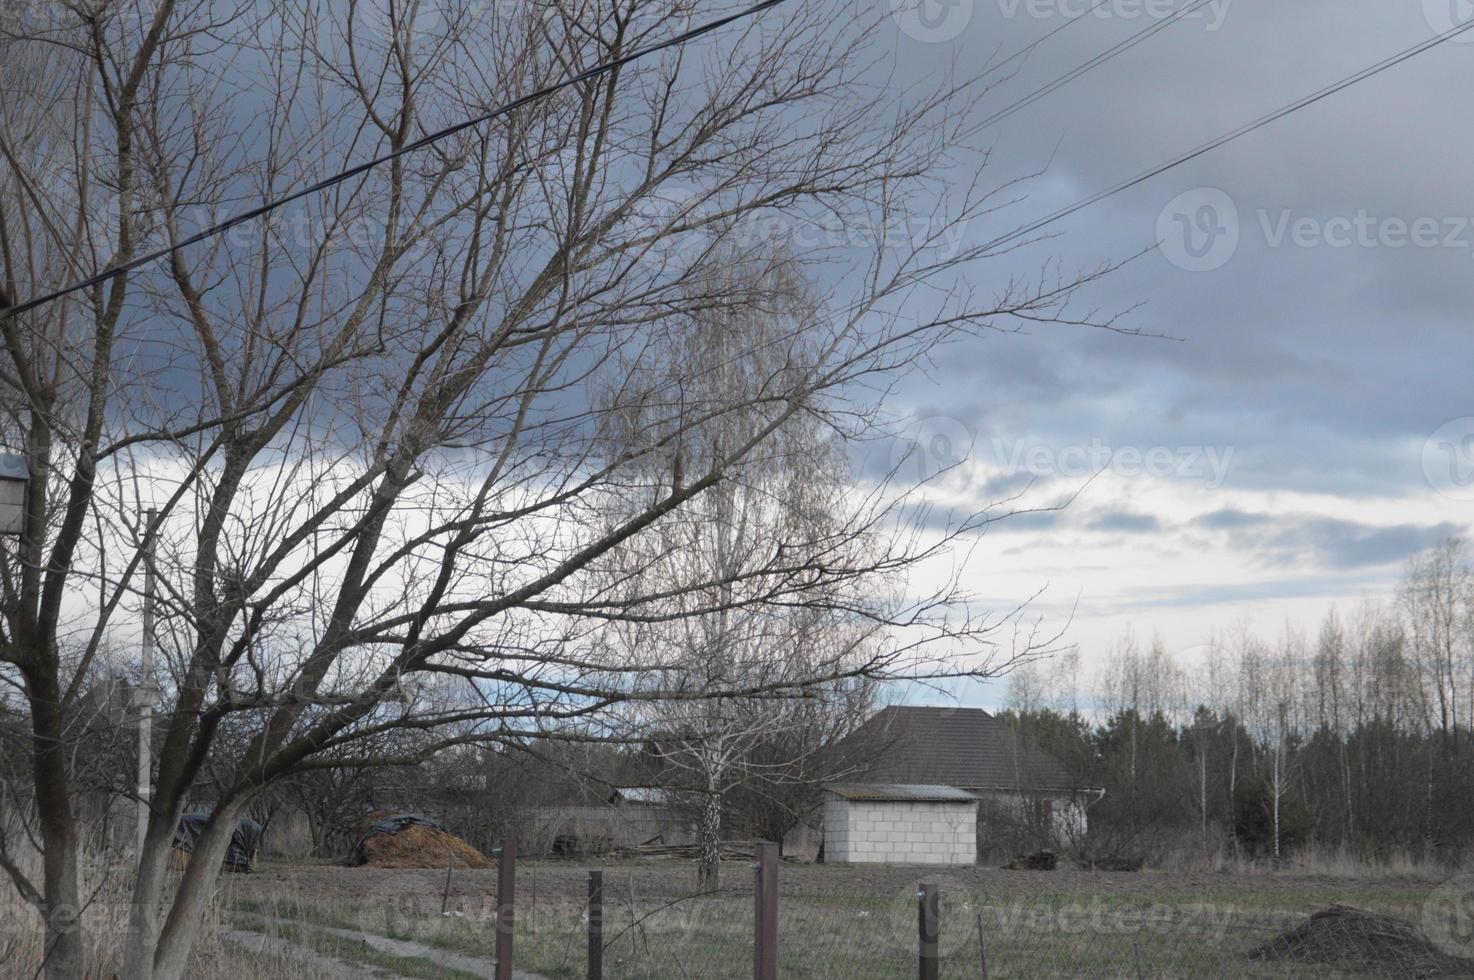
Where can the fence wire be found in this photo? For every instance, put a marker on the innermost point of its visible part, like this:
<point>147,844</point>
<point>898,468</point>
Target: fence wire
<point>701,936</point>
<point>850,935</point>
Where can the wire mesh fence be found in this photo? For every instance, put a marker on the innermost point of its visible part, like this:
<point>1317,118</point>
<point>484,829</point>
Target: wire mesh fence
<point>883,934</point>
<point>707,936</point>
<point>636,936</point>
<point>877,937</point>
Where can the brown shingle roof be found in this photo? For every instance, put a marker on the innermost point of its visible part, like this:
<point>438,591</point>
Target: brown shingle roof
<point>963,747</point>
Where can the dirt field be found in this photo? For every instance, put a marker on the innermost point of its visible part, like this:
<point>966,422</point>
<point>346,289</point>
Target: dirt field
<point>836,921</point>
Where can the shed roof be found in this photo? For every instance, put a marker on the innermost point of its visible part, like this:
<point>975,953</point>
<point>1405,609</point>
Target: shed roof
<point>901,793</point>
<point>965,747</point>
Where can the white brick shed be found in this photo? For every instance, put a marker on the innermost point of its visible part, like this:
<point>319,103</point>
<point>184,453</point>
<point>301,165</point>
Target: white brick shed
<point>892,823</point>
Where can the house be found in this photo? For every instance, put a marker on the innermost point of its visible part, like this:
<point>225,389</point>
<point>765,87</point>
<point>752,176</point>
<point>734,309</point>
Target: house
<point>910,758</point>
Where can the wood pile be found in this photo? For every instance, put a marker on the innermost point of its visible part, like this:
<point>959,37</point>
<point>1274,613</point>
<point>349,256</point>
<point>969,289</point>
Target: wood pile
<point>729,850</point>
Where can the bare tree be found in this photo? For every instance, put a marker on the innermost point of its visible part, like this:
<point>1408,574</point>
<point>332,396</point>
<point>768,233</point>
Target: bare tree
<point>789,499</point>
<point>1438,602</point>
<point>375,424</point>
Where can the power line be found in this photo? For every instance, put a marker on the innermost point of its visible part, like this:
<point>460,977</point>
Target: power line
<point>1243,130</point>
<point>1028,49</point>
<point>1089,66</point>
<point>600,69</point>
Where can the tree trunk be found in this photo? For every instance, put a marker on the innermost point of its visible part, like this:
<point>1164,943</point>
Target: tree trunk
<point>186,912</point>
<point>709,852</point>
<point>64,953</point>
<point>1278,790</point>
<point>148,891</point>
<point>1203,794</point>
<point>1233,774</point>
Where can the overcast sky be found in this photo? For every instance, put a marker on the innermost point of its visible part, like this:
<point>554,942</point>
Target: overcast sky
<point>1311,426</point>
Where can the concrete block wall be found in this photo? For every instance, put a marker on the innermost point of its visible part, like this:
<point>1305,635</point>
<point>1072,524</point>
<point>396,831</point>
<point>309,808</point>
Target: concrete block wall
<point>874,832</point>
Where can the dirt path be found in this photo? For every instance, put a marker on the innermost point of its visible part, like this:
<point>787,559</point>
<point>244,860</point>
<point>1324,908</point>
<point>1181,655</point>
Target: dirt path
<point>320,963</point>
<point>483,967</point>
<point>475,965</point>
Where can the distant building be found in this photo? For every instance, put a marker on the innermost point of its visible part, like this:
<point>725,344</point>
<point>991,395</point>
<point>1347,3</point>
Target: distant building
<point>587,806</point>
<point>591,821</point>
<point>913,756</point>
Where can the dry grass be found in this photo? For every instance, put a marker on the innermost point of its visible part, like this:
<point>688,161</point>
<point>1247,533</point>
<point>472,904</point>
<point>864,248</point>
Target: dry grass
<point>856,922</point>
<point>1310,861</point>
<point>107,882</point>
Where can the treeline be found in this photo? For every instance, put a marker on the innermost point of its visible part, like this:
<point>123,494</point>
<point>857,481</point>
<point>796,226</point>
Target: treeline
<point>1355,740</point>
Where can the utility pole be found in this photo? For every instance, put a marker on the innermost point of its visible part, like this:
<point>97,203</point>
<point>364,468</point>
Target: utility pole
<point>146,695</point>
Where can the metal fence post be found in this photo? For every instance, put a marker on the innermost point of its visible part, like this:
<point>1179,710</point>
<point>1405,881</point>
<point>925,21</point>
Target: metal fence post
<point>596,925</point>
<point>506,894</point>
<point>929,923</point>
<point>765,913</point>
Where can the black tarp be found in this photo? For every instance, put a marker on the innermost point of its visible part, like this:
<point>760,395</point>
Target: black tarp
<point>389,825</point>
<point>244,843</point>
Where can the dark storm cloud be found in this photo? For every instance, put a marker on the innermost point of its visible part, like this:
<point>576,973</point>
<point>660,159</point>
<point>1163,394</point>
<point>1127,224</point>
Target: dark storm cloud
<point>1327,542</point>
<point>1325,367</point>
